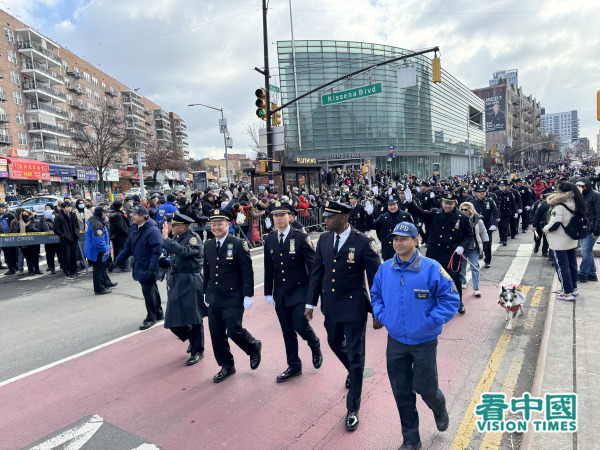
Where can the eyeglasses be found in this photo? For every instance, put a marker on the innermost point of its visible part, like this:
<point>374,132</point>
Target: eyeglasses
<point>464,209</point>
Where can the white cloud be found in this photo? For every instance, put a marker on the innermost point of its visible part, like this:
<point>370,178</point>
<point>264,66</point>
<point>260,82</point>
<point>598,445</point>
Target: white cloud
<point>180,52</point>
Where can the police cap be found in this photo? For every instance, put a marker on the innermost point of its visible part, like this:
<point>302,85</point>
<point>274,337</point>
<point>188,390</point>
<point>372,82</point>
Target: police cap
<point>332,208</point>
<point>280,208</point>
<point>181,219</point>
<point>217,215</point>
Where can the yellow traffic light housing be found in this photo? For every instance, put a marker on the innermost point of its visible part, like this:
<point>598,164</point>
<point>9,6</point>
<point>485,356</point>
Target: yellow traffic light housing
<point>275,116</point>
<point>260,166</point>
<point>436,69</point>
<point>261,103</point>
<point>598,105</point>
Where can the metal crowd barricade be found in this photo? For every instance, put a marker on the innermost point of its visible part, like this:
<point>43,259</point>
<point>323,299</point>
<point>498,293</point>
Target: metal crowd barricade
<point>311,219</point>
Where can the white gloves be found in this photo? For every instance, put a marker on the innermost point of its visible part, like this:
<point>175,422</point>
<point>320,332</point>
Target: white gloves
<point>248,302</point>
<point>418,189</point>
<point>269,300</point>
<point>431,195</point>
<point>493,228</point>
<point>460,250</point>
<point>205,301</point>
<point>516,215</point>
<point>369,207</point>
<point>408,195</point>
<point>528,208</point>
<point>520,211</point>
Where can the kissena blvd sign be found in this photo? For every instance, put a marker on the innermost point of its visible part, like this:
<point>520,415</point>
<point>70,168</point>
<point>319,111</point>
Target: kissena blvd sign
<point>351,94</point>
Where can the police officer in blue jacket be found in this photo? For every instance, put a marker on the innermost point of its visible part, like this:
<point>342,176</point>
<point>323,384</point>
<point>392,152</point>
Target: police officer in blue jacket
<point>97,249</point>
<point>413,297</point>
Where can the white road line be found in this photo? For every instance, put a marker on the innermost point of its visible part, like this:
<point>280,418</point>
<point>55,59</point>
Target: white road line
<point>75,437</point>
<point>516,271</point>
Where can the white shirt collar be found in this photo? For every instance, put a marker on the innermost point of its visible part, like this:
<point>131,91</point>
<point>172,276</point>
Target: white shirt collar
<point>345,234</point>
<point>285,233</point>
<point>222,241</point>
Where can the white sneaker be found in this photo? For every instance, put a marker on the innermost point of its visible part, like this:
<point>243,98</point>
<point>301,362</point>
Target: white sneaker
<point>477,293</point>
<point>565,297</point>
<point>575,292</point>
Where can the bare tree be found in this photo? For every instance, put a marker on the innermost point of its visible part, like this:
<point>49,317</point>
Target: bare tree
<point>99,136</point>
<point>163,157</point>
<point>253,132</point>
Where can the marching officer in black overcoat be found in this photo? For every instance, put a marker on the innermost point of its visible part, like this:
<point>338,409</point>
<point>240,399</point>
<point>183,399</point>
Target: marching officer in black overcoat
<point>289,256</point>
<point>229,290</point>
<point>450,233</point>
<point>527,200</point>
<point>514,222</point>
<point>358,215</point>
<point>507,209</point>
<point>486,207</point>
<point>342,257</point>
<point>386,223</point>
<point>185,305</point>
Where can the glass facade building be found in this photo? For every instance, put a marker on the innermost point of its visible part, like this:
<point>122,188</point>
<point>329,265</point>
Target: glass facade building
<point>426,123</point>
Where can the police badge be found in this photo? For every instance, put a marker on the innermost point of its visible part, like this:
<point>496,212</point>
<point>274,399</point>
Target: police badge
<point>308,241</point>
<point>351,252</point>
<point>457,226</point>
<point>229,251</point>
<point>292,246</point>
<point>99,232</point>
<point>193,240</point>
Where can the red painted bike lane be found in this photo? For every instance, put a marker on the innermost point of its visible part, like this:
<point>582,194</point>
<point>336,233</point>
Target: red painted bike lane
<point>140,384</point>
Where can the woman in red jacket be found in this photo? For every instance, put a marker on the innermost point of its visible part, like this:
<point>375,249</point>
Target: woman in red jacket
<point>303,206</point>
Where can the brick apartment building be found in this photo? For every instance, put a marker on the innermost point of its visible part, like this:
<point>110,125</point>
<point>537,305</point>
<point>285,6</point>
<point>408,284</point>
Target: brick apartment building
<point>43,85</point>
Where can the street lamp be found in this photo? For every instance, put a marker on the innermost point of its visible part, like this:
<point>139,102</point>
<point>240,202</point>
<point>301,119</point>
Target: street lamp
<point>224,141</point>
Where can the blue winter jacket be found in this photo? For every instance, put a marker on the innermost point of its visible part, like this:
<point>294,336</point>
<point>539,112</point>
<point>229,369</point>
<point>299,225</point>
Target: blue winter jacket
<point>413,300</point>
<point>96,239</point>
<point>145,245</point>
<point>167,208</point>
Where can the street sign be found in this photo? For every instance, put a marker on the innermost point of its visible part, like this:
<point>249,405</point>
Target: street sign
<point>274,88</point>
<point>351,94</point>
<point>229,142</point>
<point>223,125</point>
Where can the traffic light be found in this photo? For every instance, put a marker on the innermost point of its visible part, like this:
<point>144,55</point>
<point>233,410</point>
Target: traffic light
<point>261,103</point>
<point>275,117</point>
<point>436,69</point>
<point>364,168</point>
<point>261,166</point>
<point>494,151</point>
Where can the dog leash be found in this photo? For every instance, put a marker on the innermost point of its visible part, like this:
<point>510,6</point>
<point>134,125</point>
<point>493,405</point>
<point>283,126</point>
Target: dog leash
<point>477,269</point>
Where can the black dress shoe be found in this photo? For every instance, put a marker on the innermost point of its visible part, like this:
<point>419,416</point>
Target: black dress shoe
<point>189,349</point>
<point>223,374</point>
<point>111,285</point>
<point>255,358</point>
<point>37,272</point>
<point>352,420</point>
<point>348,382</point>
<point>194,358</point>
<point>442,420</point>
<point>105,291</point>
<point>487,265</point>
<point>317,359</point>
<point>504,243</point>
<point>288,375</point>
<point>461,310</point>
<point>10,272</point>
<point>147,324</point>
<point>416,446</point>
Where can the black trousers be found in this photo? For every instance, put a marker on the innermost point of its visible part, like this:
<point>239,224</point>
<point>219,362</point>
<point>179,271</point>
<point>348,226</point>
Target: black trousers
<point>541,240</point>
<point>504,228</point>
<point>117,248</point>
<point>514,225</point>
<point>154,309</point>
<point>52,250</point>
<point>68,251</point>
<point>101,280</point>
<point>412,370</point>
<point>457,280</point>
<point>226,322</point>
<point>525,219</point>
<point>10,256</point>
<point>487,248</point>
<point>292,321</point>
<point>347,340</point>
<point>31,253</point>
<point>195,334</point>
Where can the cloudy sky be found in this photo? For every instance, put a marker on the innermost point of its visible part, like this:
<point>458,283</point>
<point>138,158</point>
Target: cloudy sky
<point>204,51</point>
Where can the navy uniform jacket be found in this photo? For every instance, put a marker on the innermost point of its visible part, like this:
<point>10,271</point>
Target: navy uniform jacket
<point>506,204</point>
<point>446,232</point>
<point>185,305</point>
<point>384,227</point>
<point>287,268</point>
<point>487,209</point>
<point>340,280</point>
<point>228,276</point>
<point>517,198</point>
<point>525,194</point>
<point>358,218</point>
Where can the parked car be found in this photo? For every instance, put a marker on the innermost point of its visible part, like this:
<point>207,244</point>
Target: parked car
<point>37,204</point>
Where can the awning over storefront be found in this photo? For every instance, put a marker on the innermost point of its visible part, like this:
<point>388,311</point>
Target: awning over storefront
<point>26,169</point>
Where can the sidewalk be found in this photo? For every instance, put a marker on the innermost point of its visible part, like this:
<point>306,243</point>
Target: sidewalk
<point>569,362</point>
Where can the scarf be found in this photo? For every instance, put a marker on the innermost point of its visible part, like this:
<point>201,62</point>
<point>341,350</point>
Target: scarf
<point>24,220</point>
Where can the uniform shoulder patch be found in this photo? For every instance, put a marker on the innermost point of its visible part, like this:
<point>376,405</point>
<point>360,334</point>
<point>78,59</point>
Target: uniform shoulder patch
<point>308,241</point>
<point>193,240</point>
<point>100,232</point>
<point>245,245</point>
<point>373,245</point>
<point>445,274</point>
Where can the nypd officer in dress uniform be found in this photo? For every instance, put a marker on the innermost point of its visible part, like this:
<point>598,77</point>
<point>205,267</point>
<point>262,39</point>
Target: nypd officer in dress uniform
<point>514,222</point>
<point>486,207</point>
<point>342,257</point>
<point>450,233</point>
<point>507,209</point>
<point>289,256</point>
<point>229,289</point>
<point>386,223</point>
<point>358,215</point>
<point>185,305</point>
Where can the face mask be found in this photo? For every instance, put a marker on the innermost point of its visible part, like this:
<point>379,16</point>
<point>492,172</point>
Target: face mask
<point>81,206</point>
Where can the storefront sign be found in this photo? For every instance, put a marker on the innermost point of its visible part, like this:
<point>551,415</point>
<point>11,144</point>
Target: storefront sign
<point>58,170</point>
<point>111,174</point>
<point>27,169</point>
<point>19,153</point>
<point>342,156</point>
<point>54,179</point>
<point>306,160</point>
<point>125,174</point>
<point>3,169</point>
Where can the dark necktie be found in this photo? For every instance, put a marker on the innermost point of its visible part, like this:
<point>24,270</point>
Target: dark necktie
<point>281,239</point>
<point>218,246</point>
<point>337,245</point>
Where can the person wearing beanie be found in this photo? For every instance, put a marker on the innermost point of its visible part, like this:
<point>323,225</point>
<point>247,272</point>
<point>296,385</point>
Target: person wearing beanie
<point>119,231</point>
<point>66,227</point>
<point>97,250</point>
<point>168,208</point>
<point>51,250</point>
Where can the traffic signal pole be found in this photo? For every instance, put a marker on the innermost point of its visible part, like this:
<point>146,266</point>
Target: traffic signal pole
<point>268,100</point>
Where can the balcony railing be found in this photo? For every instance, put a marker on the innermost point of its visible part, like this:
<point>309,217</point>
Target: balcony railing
<point>158,114</point>
<point>44,146</point>
<point>132,112</point>
<point>162,125</point>
<point>48,108</point>
<point>128,99</point>
<point>26,45</point>
<point>3,118</point>
<point>42,87</point>
<point>29,64</point>
<point>40,126</point>
<point>74,74</point>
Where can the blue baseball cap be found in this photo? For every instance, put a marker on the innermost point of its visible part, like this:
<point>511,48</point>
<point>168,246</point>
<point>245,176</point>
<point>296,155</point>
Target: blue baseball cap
<point>405,229</point>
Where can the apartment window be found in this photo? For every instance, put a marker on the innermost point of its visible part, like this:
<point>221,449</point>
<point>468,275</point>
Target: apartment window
<point>105,100</point>
<point>86,76</point>
<point>10,35</point>
<point>67,83</point>
<point>20,118</point>
<point>95,81</point>
<point>104,86</point>
<point>12,56</point>
<point>22,138</point>
<point>80,103</point>
<point>76,71</point>
<point>18,98</point>
<point>90,106</point>
<point>88,92</point>
<point>97,96</point>
<point>14,77</point>
<point>69,99</point>
<point>65,65</point>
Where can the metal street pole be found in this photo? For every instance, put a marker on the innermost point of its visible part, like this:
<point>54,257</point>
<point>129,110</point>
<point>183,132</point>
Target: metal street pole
<point>141,173</point>
<point>224,141</point>
<point>268,89</point>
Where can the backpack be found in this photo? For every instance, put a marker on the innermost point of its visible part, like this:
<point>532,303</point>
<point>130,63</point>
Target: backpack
<point>578,227</point>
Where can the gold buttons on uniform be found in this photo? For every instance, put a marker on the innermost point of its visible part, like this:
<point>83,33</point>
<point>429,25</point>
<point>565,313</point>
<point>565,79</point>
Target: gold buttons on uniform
<point>281,254</point>
<point>282,263</point>
<point>336,260</point>
<point>216,282</point>
<point>333,270</point>
<point>350,296</point>
<point>284,279</point>
<point>333,281</point>
<point>283,271</point>
<point>333,290</point>
<point>217,275</point>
